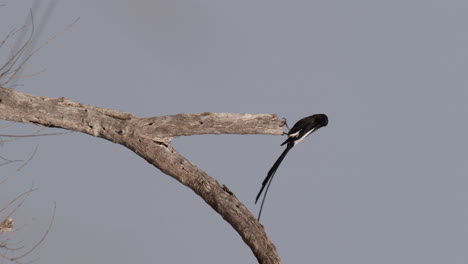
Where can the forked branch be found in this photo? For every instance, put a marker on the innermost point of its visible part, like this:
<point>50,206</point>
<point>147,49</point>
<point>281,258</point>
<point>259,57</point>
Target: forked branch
<point>151,138</point>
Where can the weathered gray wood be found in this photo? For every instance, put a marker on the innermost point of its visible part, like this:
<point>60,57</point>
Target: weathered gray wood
<point>150,138</point>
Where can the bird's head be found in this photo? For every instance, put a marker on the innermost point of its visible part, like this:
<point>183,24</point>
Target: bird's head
<point>321,120</point>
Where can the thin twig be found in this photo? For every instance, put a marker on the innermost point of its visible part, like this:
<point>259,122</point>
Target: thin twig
<point>14,59</point>
<point>36,135</point>
<point>29,159</point>
<point>32,189</point>
<point>25,162</point>
<point>15,72</point>
<point>8,161</point>
<point>43,237</point>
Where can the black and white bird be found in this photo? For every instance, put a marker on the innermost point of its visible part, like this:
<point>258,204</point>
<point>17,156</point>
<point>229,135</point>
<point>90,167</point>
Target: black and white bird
<point>296,134</point>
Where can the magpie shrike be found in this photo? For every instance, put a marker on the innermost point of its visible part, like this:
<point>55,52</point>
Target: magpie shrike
<point>296,134</point>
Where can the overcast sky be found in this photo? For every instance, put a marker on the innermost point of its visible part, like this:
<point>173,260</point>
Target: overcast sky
<point>385,182</point>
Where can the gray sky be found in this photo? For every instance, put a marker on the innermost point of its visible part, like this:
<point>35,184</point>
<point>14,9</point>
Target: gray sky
<point>384,182</point>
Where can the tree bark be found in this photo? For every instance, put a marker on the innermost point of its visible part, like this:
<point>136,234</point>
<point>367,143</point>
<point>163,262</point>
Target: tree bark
<point>151,138</point>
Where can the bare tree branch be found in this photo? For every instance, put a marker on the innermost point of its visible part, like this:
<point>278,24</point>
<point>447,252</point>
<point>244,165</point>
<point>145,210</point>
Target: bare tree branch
<point>151,139</point>
<point>24,163</point>
<point>7,68</point>
<point>40,241</point>
<point>22,196</point>
<point>12,68</point>
<point>7,226</point>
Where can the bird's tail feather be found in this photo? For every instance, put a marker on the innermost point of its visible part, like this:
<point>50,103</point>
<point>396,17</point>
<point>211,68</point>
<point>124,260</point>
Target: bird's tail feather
<point>273,169</point>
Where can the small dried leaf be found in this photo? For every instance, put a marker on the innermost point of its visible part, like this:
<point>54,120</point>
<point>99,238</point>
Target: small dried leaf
<point>6,225</point>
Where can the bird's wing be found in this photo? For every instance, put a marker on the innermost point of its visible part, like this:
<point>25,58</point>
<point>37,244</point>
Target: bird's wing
<point>294,134</point>
<point>304,135</point>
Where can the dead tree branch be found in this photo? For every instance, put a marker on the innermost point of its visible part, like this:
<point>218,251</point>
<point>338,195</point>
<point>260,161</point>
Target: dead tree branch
<point>151,139</point>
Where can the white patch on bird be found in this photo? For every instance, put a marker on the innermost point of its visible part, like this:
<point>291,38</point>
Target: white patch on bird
<point>308,133</point>
<point>295,134</point>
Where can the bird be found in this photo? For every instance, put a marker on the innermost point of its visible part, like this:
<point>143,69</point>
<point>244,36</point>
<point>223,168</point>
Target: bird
<point>296,134</point>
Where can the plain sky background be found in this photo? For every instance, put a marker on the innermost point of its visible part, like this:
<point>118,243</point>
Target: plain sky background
<point>386,182</point>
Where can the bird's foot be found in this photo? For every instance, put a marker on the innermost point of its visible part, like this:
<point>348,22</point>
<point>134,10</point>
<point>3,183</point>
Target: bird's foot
<point>286,124</point>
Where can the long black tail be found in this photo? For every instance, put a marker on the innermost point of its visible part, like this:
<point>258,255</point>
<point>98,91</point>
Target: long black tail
<point>267,181</point>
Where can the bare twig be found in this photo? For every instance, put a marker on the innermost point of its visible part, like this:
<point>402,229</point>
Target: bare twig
<point>10,35</point>
<point>8,66</point>
<point>21,196</point>
<point>28,160</point>
<point>12,68</point>
<point>8,161</point>
<point>25,162</point>
<point>7,225</point>
<point>42,238</point>
<point>37,135</point>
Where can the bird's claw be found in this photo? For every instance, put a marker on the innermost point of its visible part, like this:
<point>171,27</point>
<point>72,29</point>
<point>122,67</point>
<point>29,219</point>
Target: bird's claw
<point>286,124</point>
